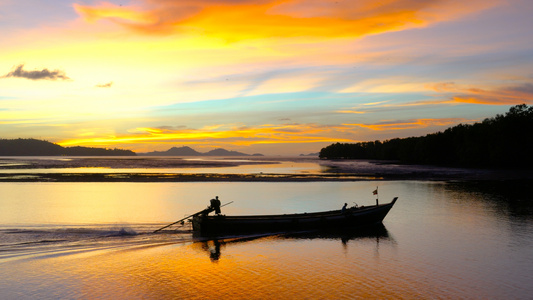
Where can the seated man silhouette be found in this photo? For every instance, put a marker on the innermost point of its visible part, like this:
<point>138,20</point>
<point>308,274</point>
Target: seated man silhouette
<point>215,205</point>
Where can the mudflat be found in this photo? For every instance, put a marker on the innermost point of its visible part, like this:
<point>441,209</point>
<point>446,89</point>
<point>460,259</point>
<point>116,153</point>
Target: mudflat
<point>180,169</point>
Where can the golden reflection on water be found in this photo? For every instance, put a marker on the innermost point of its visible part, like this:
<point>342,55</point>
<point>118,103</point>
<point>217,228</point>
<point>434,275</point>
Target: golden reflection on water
<point>443,243</point>
<point>266,268</point>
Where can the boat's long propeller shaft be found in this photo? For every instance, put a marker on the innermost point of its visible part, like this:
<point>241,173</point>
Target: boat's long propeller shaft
<point>187,217</point>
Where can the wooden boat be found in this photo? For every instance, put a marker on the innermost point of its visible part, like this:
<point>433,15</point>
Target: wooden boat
<point>220,225</point>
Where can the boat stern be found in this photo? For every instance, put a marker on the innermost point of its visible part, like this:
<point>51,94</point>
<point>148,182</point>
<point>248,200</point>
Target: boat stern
<point>197,223</point>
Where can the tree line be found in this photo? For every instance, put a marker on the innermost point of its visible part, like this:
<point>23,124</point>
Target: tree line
<point>34,147</point>
<point>504,141</point>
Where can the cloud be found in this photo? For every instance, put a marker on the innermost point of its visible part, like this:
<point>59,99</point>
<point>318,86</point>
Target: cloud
<point>411,124</point>
<point>350,111</point>
<point>105,85</point>
<point>391,85</point>
<point>507,95</point>
<point>167,127</point>
<point>118,13</point>
<point>287,83</point>
<point>222,133</point>
<point>235,20</point>
<point>43,74</point>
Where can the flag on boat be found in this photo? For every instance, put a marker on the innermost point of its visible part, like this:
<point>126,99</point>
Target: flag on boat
<point>375,192</point>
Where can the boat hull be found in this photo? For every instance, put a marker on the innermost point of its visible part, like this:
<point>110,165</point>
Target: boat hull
<point>205,225</point>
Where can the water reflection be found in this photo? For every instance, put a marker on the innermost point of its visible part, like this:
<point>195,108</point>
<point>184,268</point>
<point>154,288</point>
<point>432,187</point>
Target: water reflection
<point>510,196</point>
<point>378,233</point>
<point>215,251</point>
<point>507,209</point>
<point>213,246</point>
<point>443,240</point>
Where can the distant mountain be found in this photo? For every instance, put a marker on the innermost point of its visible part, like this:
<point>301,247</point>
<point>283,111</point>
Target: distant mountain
<point>188,151</point>
<point>224,152</point>
<point>33,147</point>
<point>311,154</point>
<point>175,151</point>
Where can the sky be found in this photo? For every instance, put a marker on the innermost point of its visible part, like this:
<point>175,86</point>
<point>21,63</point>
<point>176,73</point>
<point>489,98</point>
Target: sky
<point>277,77</point>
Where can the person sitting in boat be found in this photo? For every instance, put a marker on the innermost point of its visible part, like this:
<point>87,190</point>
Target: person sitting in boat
<point>215,205</point>
<point>344,207</point>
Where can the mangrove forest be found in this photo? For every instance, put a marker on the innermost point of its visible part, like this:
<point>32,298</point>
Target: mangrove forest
<point>504,141</point>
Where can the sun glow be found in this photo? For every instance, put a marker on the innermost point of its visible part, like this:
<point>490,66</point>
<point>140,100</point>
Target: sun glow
<point>410,124</point>
<point>244,136</point>
<point>146,74</point>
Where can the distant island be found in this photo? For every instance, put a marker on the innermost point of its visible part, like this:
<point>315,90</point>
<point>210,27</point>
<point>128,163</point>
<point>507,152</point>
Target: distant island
<point>505,141</point>
<point>310,154</point>
<point>188,151</point>
<point>34,147</point>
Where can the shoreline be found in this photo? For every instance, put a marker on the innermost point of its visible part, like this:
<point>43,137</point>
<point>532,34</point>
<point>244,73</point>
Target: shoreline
<point>173,169</point>
<point>178,177</point>
<point>266,177</point>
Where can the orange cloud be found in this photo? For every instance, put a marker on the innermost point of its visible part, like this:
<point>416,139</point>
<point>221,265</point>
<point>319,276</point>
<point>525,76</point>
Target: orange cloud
<point>410,124</point>
<point>235,20</point>
<point>116,13</point>
<point>232,135</point>
<point>350,111</point>
<point>265,21</point>
<point>499,96</point>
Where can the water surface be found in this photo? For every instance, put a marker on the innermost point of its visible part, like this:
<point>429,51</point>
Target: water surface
<point>94,240</point>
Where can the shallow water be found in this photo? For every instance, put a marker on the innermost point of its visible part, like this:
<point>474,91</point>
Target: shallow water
<point>160,164</point>
<point>95,240</point>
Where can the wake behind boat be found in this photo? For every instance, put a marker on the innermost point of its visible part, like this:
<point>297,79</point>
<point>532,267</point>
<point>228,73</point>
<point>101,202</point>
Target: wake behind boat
<point>219,225</point>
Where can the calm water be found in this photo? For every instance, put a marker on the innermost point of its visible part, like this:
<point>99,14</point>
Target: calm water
<point>94,240</point>
<point>160,164</point>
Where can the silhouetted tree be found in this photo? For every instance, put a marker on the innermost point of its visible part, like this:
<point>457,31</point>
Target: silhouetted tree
<point>504,141</point>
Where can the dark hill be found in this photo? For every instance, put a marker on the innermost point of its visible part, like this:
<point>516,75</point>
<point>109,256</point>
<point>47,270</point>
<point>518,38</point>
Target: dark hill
<point>187,151</point>
<point>175,151</point>
<point>224,152</point>
<point>33,147</point>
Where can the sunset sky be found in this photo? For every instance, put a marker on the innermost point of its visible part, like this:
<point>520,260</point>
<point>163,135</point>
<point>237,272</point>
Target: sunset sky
<point>257,76</point>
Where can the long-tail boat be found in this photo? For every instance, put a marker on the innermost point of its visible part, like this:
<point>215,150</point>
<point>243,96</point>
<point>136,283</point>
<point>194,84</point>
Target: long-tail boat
<point>220,225</point>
